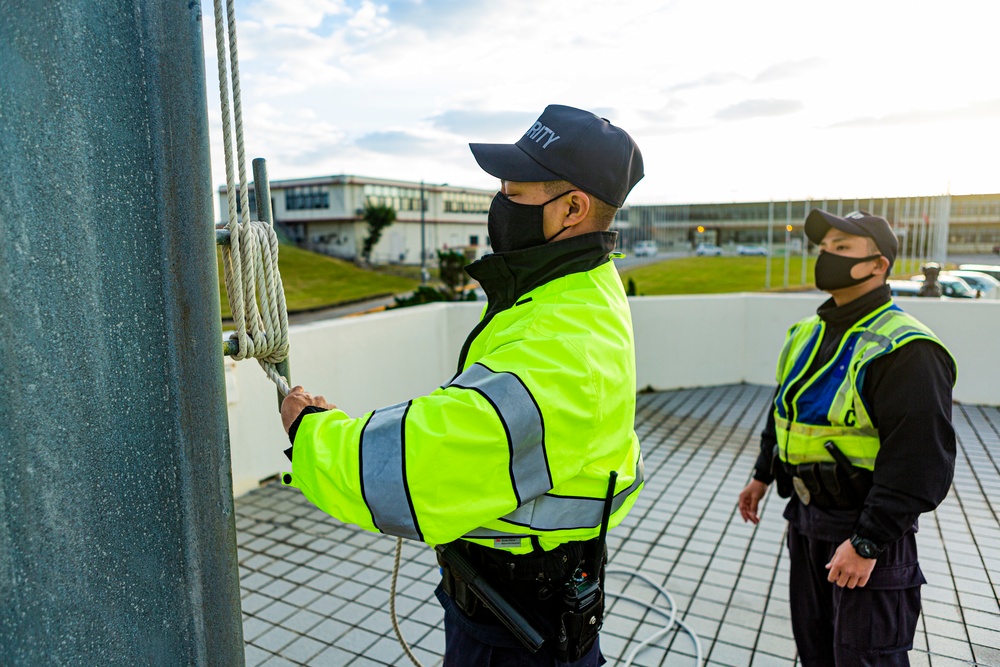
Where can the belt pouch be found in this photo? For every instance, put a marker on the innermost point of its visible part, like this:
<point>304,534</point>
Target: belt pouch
<point>578,630</point>
<point>458,591</point>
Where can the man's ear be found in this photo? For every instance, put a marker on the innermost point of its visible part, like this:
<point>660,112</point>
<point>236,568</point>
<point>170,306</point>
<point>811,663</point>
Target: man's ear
<point>883,264</point>
<point>578,208</point>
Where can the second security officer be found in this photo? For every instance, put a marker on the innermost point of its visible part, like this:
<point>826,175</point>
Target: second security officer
<point>861,439</point>
<point>511,463</point>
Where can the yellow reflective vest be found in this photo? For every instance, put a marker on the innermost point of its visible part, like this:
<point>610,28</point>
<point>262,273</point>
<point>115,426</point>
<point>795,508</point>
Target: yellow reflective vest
<point>521,441</point>
<point>829,405</point>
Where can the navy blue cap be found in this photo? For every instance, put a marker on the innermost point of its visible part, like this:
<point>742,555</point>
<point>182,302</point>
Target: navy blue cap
<point>567,144</point>
<point>858,223</point>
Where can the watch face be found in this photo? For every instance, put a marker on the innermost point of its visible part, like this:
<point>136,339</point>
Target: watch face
<point>865,548</point>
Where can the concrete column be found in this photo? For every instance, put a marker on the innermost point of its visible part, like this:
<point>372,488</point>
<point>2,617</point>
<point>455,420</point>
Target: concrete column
<point>117,536</point>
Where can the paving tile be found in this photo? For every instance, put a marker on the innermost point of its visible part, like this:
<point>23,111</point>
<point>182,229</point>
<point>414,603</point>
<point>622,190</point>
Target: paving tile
<point>312,585</point>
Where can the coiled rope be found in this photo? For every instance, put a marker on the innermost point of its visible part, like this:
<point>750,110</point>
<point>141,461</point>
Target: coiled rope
<point>250,261</point>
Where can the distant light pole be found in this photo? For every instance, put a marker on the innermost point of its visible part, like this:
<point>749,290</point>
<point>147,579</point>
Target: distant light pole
<point>805,243</point>
<point>788,240</point>
<point>770,244</point>
<point>423,237</point>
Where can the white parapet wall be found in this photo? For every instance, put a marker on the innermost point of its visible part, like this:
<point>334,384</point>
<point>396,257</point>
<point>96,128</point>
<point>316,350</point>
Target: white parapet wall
<point>362,363</point>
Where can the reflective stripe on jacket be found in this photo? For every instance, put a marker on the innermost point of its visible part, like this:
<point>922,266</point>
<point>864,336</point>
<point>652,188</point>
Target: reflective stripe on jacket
<point>520,443</point>
<point>829,405</point>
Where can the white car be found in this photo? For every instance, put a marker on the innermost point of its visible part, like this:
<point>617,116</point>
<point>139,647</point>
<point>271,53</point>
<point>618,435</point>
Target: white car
<point>951,286</point>
<point>752,250</point>
<point>904,287</point>
<point>987,286</point>
<point>988,269</point>
<point>705,249</point>
<point>646,249</point>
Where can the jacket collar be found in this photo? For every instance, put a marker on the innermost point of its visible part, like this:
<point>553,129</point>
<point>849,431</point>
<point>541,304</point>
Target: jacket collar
<point>846,315</point>
<point>507,276</point>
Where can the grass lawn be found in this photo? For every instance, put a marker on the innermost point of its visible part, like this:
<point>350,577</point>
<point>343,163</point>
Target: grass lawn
<point>314,281</point>
<point>713,275</point>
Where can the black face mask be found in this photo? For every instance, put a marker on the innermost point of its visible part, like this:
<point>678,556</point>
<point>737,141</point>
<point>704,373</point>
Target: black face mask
<point>514,226</point>
<point>834,271</point>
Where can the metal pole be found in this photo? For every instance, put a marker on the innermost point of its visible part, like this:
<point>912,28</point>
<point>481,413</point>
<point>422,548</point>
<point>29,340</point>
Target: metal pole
<point>942,228</point>
<point>423,237</point>
<point>909,235</point>
<point>921,211</point>
<point>805,241</point>
<point>788,236</point>
<point>262,194</point>
<point>117,533</point>
<point>770,244</point>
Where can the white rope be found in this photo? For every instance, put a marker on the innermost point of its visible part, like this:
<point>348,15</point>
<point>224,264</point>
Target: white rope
<point>392,605</point>
<point>250,261</point>
<point>671,616</point>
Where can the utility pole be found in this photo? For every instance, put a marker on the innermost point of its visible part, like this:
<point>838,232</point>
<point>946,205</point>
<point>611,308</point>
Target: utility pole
<point>117,531</point>
<point>805,241</point>
<point>423,237</point>
<point>788,237</point>
<point>770,244</point>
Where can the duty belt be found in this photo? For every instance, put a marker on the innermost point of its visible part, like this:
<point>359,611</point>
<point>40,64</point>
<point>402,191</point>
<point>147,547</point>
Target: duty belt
<point>837,485</point>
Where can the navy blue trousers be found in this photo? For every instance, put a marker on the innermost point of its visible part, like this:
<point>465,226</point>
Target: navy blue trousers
<point>859,627</point>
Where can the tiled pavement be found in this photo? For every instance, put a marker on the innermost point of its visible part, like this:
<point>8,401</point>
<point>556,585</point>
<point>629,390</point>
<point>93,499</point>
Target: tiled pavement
<point>316,592</point>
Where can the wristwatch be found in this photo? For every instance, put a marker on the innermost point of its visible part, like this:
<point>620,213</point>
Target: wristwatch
<point>865,547</point>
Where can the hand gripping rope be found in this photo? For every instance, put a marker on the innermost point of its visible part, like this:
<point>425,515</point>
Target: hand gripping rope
<point>250,247</point>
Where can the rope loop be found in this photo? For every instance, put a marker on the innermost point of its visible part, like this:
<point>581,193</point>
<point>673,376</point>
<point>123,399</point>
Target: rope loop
<point>250,261</point>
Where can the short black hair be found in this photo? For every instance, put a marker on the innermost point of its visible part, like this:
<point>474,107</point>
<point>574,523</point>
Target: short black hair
<point>602,212</point>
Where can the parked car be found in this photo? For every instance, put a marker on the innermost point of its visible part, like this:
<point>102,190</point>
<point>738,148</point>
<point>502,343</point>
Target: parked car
<point>988,269</point>
<point>646,249</point>
<point>753,250</point>
<point>951,286</point>
<point>705,249</point>
<point>987,286</point>
<point>904,287</point>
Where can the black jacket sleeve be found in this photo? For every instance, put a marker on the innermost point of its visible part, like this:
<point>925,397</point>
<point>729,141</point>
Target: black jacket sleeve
<point>763,470</point>
<point>908,393</point>
<point>293,429</point>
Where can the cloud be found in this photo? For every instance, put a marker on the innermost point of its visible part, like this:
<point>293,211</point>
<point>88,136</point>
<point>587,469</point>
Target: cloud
<point>710,79</point>
<point>309,14</point>
<point>988,109</point>
<point>473,123</point>
<point>369,19</point>
<point>441,16</point>
<point>787,70</point>
<point>396,142</point>
<point>748,109</point>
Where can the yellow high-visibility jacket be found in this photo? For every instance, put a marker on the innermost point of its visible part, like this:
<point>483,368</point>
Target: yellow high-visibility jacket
<point>521,441</point>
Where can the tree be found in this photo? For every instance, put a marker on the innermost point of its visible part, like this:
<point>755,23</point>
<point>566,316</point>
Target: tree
<point>451,264</point>
<point>378,217</point>
<point>453,276</point>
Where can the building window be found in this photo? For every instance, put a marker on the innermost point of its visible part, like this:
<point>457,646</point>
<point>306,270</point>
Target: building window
<point>306,198</point>
<point>399,199</point>
<point>473,240</point>
<point>466,202</point>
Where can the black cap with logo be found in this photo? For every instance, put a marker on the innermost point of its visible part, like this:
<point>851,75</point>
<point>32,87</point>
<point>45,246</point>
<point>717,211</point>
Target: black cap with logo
<point>858,223</point>
<point>572,145</point>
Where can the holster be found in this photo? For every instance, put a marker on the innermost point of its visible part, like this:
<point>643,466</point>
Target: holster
<point>570,609</point>
<point>458,591</point>
<point>828,486</point>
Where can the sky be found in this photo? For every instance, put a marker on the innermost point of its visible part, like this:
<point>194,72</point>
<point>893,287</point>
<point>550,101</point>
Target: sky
<point>728,100</point>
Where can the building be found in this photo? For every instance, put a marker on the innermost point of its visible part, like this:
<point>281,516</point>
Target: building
<point>927,227</point>
<point>325,214</point>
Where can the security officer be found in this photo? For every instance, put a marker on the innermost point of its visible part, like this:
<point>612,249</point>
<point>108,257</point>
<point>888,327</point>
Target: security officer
<point>510,461</point>
<point>861,439</point>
